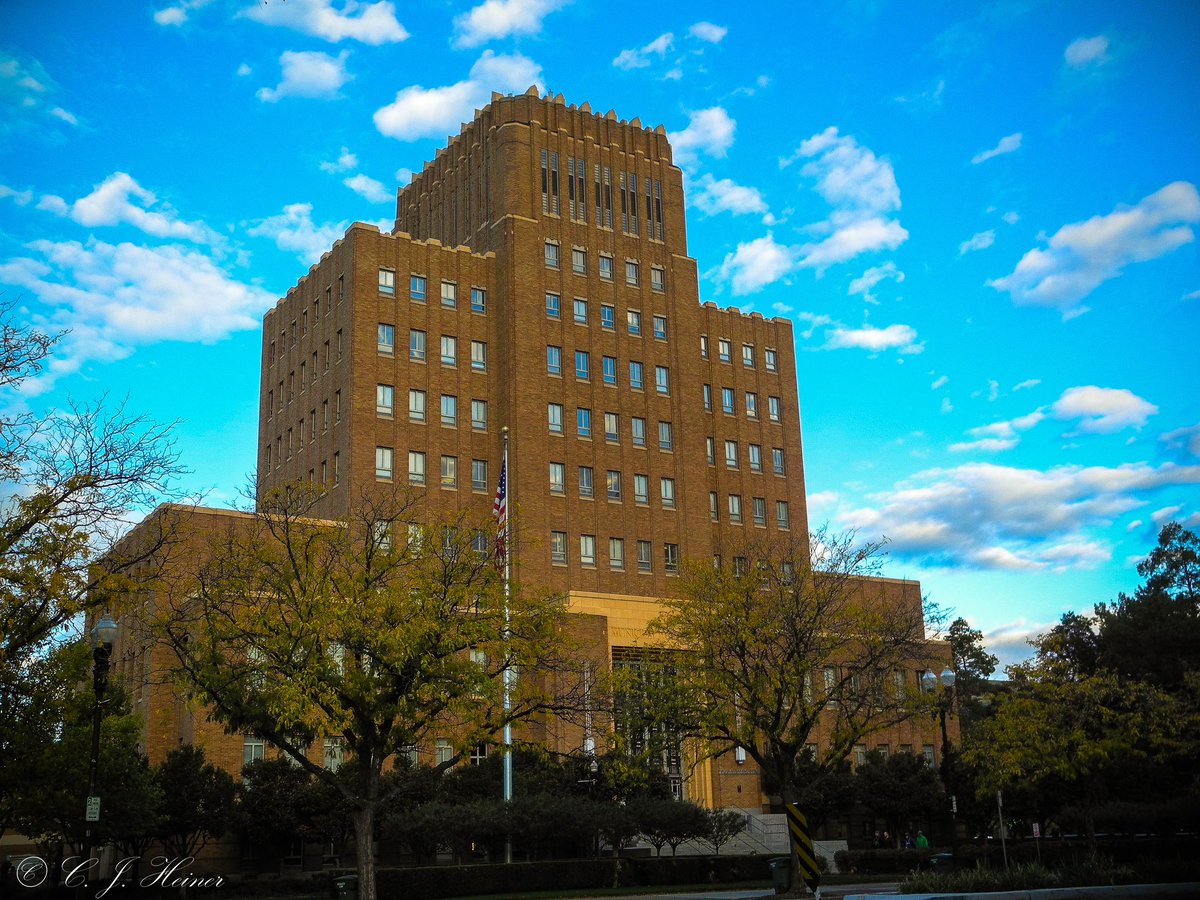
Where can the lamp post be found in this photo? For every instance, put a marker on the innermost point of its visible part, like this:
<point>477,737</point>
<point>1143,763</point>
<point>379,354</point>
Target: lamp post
<point>944,701</point>
<point>102,636</point>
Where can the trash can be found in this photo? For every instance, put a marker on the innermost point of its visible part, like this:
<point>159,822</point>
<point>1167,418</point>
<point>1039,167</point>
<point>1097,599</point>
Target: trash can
<point>781,874</point>
<point>346,887</point>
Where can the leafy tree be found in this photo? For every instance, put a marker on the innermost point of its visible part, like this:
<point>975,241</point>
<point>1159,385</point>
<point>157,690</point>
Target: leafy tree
<point>899,787</point>
<point>301,629</point>
<point>824,791</point>
<point>274,805</point>
<point>723,826</point>
<point>198,801</point>
<point>668,822</point>
<point>973,666</point>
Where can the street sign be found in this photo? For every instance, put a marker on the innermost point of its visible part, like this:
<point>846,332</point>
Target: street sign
<point>1037,830</point>
<point>93,809</point>
<point>802,845</point>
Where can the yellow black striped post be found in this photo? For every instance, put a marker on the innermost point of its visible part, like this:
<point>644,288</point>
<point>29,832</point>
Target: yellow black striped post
<point>802,846</point>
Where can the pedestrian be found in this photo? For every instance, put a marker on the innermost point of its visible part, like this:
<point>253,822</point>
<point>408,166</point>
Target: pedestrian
<point>922,841</point>
<point>908,841</point>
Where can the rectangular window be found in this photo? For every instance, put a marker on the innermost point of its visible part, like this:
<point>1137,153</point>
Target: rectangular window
<point>578,260</point>
<point>558,478</point>
<point>449,294</point>
<point>662,379</point>
<point>771,360</point>
<point>773,409</point>
<point>583,365</point>
<point>731,454</point>
<point>667,492</point>
<point>583,422</point>
<point>479,415</point>
<point>644,555</point>
<point>707,391</point>
<point>704,346</point>
<point>755,454</point>
<point>587,486</point>
<point>581,311</point>
<point>735,509</point>
<point>253,748</point>
<point>610,370</point>
<point>638,427</point>
<point>324,415</point>
<point>633,319</point>
<point>338,339</point>
<point>608,316</point>
<point>416,467</point>
<point>727,401</point>
<point>479,356</point>
<point>551,255</point>
<point>635,375</point>
<point>553,360</point>
<point>337,406</point>
<point>724,350</point>
<point>759,505</point>
<point>386,339</point>
<point>783,518</point>
<point>613,481</point>
<point>713,505</point>
<point>416,405</point>
<point>641,489</point>
<point>387,282</point>
<point>671,559</point>
<point>479,475</point>
<point>666,436</point>
<point>337,469</point>
<point>554,417</point>
<point>777,460</point>
<point>553,305</point>
<point>612,428</point>
<point>658,279</point>
<point>450,472</point>
<point>660,327</point>
<point>748,355</point>
<point>416,345</point>
<point>449,410</point>
<point>631,272</point>
<point>616,553</point>
<point>416,288</point>
<point>606,267</point>
<point>478,300</point>
<point>587,550</point>
<point>449,350</point>
<point>751,405</point>
<point>385,400</point>
<point>710,447</point>
<point>383,463</point>
<point>558,547</point>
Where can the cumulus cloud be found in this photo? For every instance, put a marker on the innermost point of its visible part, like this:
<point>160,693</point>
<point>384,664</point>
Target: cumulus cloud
<point>120,199</point>
<point>309,74</point>
<point>115,297</point>
<point>639,58</point>
<point>707,31</point>
<point>1085,52</point>
<point>865,284</point>
<point>496,19</point>
<point>985,516</point>
<point>1103,410</point>
<point>894,337</point>
<point>1011,217</point>
<point>712,196</point>
<point>21,198</point>
<point>178,14</point>
<point>369,189</point>
<point>709,132</point>
<point>1008,144</point>
<point>419,112</point>
<point>369,23</point>
<point>294,230</point>
<point>1187,439</point>
<point>980,241</point>
<point>344,163</point>
<point>1080,257</point>
<point>754,265</point>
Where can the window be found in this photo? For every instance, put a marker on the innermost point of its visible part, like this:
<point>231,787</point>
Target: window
<point>324,415</point>
<point>444,751</point>
<point>558,547</point>
<point>735,509</point>
<point>660,327</point>
<point>581,311</point>
<point>385,400</point>
<point>578,260</point>
<point>724,351</point>
<point>927,754</point>
<point>416,288</point>
<point>644,550</point>
<point>387,282</point>
<point>610,370</point>
<point>450,472</point>
<point>606,267</point>
<point>704,346</point>
<point>449,410</point>
<point>635,375</point>
<point>759,505</point>
<point>751,405</point>
<point>727,401</point>
<point>449,294</point>
<point>586,481</point>
<point>666,436</point>
<point>337,469</point>
<point>383,463</point>
<point>554,416</point>
<point>416,405</point>
<point>616,553</point>
<point>638,427</point>
<point>385,340</point>
<point>748,355</point>
<point>337,406</point>
<point>253,748</point>
<point>707,398</point>
<point>558,478</point>
<point>479,475</point>
<point>641,489</point>
<point>338,338</point>
<point>783,517</point>
<point>416,345</point>
<point>731,454</point>
<point>741,566</point>
<point>583,365</point>
<point>416,467</point>
<point>551,255</point>
<point>713,505</point>
<point>553,305</point>
<point>667,492</point>
<point>710,447</point>
<point>608,316</point>
<point>773,409</point>
<point>479,356</point>
<point>777,460</point>
<point>613,482</point>
<point>478,300</point>
<point>633,319</point>
<point>479,415</point>
<point>631,272</point>
<point>671,559</point>
<point>662,379</point>
<point>387,348</point>
<point>658,279</point>
<point>612,428</point>
<point>771,360</point>
<point>587,550</point>
<point>755,458</point>
<point>449,350</point>
<point>553,360</point>
<point>583,422</point>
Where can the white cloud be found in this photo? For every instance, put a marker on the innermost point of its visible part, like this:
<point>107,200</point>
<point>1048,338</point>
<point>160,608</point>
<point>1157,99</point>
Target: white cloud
<point>495,19</point>
<point>119,198</point>
<point>369,188</point>
<point>52,203</point>
<point>712,196</point>
<point>984,516</point>
<point>370,23</point>
<point>178,14</point>
<point>1194,295</point>
<point>640,58</point>
<point>756,264</point>
<point>294,230</point>
<point>1008,144</point>
<point>69,117</point>
<point>1082,256</point>
<point>243,70</point>
<point>947,406</point>
<point>940,382</point>
<point>1011,217</point>
<point>707,31</point>
<point>344,163</point>
<point>980,241</point>
<point>1183,439</point>
<point>1083,52</point>
<point>1166,514</point>
<point>1103,410</point>
<point>419,112</point>
<point>988,445</point>
<point>308,73</point>
<point>113,298</point>
<point>25,91</point>
<point>894,337</point>
<point>21,198</point>
<point>709,131</point>
<point>1027,383</point>
<point>866,282</point>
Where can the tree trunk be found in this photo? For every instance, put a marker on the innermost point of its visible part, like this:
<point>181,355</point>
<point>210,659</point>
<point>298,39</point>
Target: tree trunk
<point>364,850</point>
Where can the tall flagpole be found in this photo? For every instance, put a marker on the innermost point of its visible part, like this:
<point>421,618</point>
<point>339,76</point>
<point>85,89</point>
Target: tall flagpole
<point>508,672</point>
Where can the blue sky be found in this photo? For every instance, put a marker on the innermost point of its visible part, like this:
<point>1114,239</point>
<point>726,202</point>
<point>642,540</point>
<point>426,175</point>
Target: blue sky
<point>981,218</point>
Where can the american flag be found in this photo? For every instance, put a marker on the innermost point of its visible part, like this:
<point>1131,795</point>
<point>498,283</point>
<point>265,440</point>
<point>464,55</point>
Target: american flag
<point>500,511</point>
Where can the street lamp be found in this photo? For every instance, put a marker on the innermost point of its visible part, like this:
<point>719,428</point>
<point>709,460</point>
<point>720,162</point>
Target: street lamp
<point>102,636</point>
<point>929,681</point>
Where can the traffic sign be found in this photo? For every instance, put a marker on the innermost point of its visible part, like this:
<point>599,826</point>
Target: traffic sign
<point>93,809</point>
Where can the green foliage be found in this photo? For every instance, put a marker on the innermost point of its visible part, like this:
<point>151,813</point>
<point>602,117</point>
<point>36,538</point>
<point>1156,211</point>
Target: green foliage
<point>723,826</point>
<point>668,822</point>
<point>973,666</point>
<point>899,787</point>
<point>198,801</point>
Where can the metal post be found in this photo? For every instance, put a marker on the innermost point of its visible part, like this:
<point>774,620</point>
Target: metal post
<point>508,673</point>
<point>102,636</point>
<point>1000,815</point>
